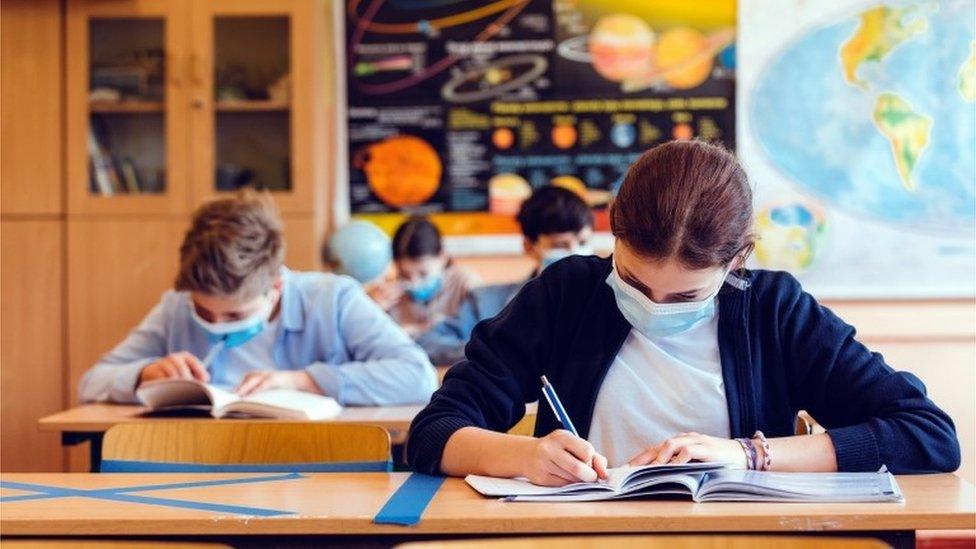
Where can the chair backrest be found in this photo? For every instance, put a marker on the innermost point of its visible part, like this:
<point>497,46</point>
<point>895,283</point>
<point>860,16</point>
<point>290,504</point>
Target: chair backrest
<point>525,426</point>
<point>244,446</point>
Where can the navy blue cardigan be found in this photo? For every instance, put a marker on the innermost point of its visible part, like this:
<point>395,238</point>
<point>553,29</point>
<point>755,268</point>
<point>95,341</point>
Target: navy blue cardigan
<point>780,351</point>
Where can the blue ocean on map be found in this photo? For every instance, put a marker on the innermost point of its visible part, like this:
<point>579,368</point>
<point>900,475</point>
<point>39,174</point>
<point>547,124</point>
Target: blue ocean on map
<point>818,129</point>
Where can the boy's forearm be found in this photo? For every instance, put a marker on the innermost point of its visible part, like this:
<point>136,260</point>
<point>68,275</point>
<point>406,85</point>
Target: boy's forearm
<point>472,450</point>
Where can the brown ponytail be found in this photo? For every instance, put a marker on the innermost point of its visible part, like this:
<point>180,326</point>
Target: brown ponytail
<point>688,200</point>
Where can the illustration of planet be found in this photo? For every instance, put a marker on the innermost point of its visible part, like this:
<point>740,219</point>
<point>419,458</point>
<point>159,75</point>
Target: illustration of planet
<point>503,138</point>
<point>563,135</point>
<point>501,76</point>
<point>593,197</point>
<point>621,46</point>
<point>682,132</point>
<point>402,170</point>
<point>506,192</point>
<point>679,49</point>
<point>790,235</point>
<point>623,135</point>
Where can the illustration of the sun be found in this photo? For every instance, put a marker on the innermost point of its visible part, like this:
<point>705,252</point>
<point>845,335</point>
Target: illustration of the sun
<point>402,170</point>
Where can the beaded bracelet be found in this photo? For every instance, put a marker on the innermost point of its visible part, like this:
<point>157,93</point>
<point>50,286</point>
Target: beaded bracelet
<point>750,450</point>
<point>767,462</point>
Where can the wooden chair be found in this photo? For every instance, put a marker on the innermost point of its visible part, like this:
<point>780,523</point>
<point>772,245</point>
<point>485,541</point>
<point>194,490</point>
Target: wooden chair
<point>244,446</point>
<point>525,426</point>
<point>806,425</point>
<point>701,541</point>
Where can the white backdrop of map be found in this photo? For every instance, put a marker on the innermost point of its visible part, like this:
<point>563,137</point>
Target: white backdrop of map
<point>868,231</point>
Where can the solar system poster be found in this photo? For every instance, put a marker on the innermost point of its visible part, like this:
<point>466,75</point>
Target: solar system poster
<point>458,109</point>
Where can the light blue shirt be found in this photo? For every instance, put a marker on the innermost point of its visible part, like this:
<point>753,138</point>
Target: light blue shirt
<point>326,325</point>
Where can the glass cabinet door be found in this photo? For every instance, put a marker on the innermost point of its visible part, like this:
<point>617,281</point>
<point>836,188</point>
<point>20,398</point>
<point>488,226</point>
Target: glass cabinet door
<point>125,101</point>
<point>246,107</point>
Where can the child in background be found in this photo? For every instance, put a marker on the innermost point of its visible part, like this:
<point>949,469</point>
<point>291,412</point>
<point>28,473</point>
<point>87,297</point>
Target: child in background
<point>555,223</point>
<point>262,325</point>
<point>429,286</point>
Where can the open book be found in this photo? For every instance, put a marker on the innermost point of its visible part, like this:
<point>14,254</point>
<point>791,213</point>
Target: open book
<point>186,394</point>
<point>703,482</point>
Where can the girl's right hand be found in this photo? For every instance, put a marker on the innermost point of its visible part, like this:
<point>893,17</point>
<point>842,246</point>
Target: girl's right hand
<point>561,458</point>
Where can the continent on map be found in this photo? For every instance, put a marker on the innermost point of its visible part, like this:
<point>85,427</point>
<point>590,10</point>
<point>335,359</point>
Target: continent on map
<point>967,76</point>
<point>881,30</point>
<point>907,132</point>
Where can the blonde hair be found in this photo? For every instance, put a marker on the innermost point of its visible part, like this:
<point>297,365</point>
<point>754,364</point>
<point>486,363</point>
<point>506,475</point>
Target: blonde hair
<point>233,248</point>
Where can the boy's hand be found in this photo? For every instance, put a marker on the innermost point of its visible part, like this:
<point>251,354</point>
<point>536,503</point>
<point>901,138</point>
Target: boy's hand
<point>261,380</point>
<point>561,458</point>
<point>385,293</point>
<point>180,365</point>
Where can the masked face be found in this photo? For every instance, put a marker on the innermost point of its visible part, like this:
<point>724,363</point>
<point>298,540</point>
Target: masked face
<point>232,322</point>
<point>663,298</point>
<point>422,278</point>
<point>550,248</point>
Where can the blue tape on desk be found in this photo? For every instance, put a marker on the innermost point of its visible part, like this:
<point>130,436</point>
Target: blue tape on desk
<point>408,503</point>
<point>125,494</point>
<point>128,466</point>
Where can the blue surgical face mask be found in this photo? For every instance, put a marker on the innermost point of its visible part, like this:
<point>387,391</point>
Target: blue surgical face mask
<point>555,254</point>
<point>238,332</point>
<point>659,319</point>
<point>426,289</point>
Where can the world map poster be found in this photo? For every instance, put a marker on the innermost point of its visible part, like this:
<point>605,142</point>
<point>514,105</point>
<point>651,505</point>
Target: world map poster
<point>857,126</point>
<point>458,109</point>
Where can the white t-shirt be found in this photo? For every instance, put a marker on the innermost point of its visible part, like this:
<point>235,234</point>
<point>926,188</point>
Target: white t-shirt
<point>658,388</point>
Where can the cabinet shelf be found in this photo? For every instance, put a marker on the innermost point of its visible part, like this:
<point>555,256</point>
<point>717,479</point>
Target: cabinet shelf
<point>252,106</point>
<point>109,107</point>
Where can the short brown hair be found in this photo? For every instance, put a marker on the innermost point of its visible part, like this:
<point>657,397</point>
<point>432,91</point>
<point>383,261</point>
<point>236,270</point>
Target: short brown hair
<point>233,248</point>
<point>685,199</point>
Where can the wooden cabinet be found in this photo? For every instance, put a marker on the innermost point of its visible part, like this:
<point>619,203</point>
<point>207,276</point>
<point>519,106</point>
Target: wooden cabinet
<point>30,112</point>
<point>171,102</point>
<point>126,107</point>
<point>32,378</point>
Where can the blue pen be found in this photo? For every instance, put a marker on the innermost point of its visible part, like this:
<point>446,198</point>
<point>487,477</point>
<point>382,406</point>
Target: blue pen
<point>557,407</point>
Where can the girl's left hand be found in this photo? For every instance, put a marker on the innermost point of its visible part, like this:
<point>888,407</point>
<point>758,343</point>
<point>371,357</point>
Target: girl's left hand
<point>685,447</point>
<point>261,380</point>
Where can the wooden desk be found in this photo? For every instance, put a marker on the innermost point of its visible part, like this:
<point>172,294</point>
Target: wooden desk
<point>345,503</point>
<point>89,422</point>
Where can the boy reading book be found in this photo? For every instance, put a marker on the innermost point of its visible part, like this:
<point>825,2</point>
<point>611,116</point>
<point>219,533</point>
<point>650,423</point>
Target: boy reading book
<point>239,319</point>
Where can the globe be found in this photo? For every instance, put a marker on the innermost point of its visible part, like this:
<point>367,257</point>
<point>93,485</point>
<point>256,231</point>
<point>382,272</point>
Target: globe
<point>871,114</point>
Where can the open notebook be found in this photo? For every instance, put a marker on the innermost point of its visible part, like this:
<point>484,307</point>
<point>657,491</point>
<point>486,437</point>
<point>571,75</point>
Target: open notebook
<point>703,482</point>
<point>186,394</point>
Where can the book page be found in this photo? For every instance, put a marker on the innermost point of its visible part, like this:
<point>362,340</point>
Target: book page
<point>221,398</point>
<point>286,403</point>
<point>164,393</point>
<point>504,487</point>
<point>835,487</point>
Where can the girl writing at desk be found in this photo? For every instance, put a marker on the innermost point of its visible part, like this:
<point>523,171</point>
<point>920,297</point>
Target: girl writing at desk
<point>671,351</point>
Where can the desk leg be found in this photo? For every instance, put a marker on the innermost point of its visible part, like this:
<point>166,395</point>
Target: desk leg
<point>94,449</point>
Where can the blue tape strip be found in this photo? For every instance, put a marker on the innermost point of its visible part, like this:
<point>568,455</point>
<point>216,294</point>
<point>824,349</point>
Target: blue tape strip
<point>408,503</point>
<point>126,466</point>
<point>124,494</point>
